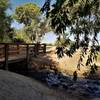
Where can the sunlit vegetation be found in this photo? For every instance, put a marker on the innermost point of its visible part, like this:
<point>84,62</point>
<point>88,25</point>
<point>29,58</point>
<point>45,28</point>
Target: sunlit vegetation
<point>20,36</point>
<point>26,13</point>
<point>35,25</point>
<point>98,58</point>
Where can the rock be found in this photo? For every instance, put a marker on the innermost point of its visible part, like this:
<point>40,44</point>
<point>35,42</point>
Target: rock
<point>84,87</point>
<point>52,80</point>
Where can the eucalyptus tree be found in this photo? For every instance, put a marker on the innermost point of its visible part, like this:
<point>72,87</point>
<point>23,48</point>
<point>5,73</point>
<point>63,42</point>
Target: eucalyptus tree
<point>26,13</point>
<point>82,19</point>
<point>29,15</point>
<point>37,29</point>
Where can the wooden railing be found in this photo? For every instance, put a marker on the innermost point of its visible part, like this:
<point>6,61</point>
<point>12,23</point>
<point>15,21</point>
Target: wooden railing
<point>8,50</point>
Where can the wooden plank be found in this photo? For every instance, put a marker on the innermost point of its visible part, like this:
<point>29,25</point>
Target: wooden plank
<point>9,50</point>
<point>18,49</point>
<point>27,57</point>
<point>16,60</point>
<point>17,43</point>
<point>43,48</point>
<point>12,59</point>
<point>6,57</point>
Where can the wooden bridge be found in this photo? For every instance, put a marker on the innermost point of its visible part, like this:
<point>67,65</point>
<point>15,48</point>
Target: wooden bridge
<point>15,52</point>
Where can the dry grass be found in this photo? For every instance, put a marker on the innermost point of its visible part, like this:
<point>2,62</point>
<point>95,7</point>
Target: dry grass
<point>66,64</point>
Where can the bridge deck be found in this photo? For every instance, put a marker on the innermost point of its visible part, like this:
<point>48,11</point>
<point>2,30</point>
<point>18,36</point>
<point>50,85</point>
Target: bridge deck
<point>10,53</point>
<point>13,59</point>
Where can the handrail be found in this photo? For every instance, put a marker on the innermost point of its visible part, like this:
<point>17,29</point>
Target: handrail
<point>7,52</point>
<point>22,43</point>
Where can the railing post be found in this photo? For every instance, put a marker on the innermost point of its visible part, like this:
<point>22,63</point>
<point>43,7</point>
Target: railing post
<point>17,48</point>
<point>36,49</point>
<point>27,56</point>
<point>44,48</point>
<point>6,56</point>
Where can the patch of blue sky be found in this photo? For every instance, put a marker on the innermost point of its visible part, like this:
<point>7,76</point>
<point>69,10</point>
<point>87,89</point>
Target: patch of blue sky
<point>15,3</point>
<point>50,37</point>
<point>9,12</point>
<point>17,25</point>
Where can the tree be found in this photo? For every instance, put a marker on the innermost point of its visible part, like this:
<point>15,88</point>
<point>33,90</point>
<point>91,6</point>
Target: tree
<point>26,13</point>
<point>35,27</point>
<point>21,36</point>
<point>82,18</point>
<point>5,22</point>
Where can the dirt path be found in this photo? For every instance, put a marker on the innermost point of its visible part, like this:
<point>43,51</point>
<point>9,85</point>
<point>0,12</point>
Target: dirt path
<point>17,87</point>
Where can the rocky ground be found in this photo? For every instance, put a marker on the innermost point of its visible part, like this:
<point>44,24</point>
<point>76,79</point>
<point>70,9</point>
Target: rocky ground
<point>82,86</point>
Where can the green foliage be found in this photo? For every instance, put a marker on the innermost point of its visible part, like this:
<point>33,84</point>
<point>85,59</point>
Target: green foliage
<point>21,36</point>
<point>82,18</point>
<point>26,13</point>
<point>4,4</point>
<point>63,42</point>
<point>35,26</point>
<point>36,30</point>
<point>6,32</point>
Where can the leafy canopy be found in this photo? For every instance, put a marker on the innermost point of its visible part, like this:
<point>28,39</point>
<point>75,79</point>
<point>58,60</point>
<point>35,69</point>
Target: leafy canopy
<point>37,29</point>
<point>26,13</point>
<point>35,24</point>
<point>82,19</point>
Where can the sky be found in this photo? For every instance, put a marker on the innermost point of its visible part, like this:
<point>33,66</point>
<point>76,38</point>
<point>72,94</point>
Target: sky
<point>50,37</point>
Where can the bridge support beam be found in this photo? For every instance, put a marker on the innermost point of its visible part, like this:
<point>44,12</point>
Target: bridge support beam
<point>6,47</point>
<point>27,57</point>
